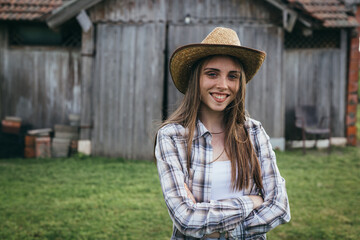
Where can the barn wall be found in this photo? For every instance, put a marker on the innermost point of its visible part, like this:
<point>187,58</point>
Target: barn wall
<point>161,23</point>
<point>3,46</point>
<point>316,77</point>
<point>119,25</point>
<point>40,85</point>
<point>128,89</point>
<point>174,11</point>
<point>223,12</point>
<point>129,11</point>
<point>128,72</point>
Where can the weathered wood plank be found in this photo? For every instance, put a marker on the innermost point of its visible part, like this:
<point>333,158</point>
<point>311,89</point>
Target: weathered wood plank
<point>315,77</point>
<point>138,11</point>
<point>339,88</point>
<point>3,46</point>
<point>87,73</point>
<point>220,12</point>
<point>41,85</point>
<point>175,11</point>
<point>130,89</point>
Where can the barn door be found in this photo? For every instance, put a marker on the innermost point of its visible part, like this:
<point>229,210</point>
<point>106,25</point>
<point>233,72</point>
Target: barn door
<point>128,89</point>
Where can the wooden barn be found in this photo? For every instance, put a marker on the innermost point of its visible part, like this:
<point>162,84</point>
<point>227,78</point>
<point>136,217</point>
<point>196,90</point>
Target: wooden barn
<point>39,68</point>
<point>107,60</point>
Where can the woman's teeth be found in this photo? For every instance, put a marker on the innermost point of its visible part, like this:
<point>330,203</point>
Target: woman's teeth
<point>219,96</point>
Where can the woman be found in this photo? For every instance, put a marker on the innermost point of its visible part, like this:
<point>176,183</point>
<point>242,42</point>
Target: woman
<point>216,166</point>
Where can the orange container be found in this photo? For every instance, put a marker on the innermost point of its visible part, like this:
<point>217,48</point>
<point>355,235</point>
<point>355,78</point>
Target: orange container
<point>29,152</point>
<point>9,126</point>
<point>30,141</point>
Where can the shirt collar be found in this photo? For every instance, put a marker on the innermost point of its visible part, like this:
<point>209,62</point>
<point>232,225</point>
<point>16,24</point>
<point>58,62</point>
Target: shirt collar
<point>200,130</point>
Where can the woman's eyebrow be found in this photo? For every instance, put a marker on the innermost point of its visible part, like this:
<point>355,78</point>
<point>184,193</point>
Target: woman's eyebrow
<point>212,69</point>
<point>218,70</point>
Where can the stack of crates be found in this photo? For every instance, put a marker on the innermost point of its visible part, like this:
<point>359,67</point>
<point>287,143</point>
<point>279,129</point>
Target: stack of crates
<point>30,146</point>
<point>61,143</point>
<point>38,143</point>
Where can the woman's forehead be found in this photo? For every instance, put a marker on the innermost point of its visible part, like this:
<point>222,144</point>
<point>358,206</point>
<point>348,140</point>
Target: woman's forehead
<point>223,62</point>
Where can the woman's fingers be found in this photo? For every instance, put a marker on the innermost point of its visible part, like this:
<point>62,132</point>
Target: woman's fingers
<point>189,193</point>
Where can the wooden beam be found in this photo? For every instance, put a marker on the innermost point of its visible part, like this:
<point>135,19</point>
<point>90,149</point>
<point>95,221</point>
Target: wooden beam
<point>84,21</point>
<point>289,20</point>
<point>68,11</point>
<point>289,15</point>
<point>87,74</point>
<point>277,4</point>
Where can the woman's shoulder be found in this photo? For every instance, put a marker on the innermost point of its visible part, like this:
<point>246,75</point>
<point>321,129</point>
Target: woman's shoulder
<point>172,129</point>
<point>252,124</point>
<point>255,129</point>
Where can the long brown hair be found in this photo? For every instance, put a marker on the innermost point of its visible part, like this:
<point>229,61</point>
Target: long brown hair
<point>244,162</point>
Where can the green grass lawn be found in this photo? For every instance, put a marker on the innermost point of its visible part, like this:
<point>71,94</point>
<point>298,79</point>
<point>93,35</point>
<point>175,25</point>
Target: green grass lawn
<point>99,198</point>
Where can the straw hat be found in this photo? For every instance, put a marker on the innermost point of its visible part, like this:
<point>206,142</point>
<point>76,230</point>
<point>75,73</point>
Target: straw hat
<point>222,41</point>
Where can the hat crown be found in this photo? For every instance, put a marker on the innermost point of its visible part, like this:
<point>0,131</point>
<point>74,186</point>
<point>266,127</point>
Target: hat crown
<point>224,36</point>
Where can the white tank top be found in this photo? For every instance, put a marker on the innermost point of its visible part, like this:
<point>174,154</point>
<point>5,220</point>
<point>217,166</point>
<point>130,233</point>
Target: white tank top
<point>221,181</point>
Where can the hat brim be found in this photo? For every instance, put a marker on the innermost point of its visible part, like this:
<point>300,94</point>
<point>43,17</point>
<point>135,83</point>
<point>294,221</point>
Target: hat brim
<point>183,59</point>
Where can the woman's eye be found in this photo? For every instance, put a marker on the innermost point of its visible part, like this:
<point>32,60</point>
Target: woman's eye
<point>211,74</point>
<point>233,76</point>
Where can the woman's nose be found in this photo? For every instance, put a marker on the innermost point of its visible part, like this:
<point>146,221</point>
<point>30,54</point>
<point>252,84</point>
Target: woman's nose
<point>222,82</point>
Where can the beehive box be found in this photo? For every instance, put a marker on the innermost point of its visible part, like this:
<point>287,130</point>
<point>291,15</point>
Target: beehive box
<point>11,127</point>
<point>60,147</point>
<point>30,146</point>
<point>43,147</point>
<point>66,132</point>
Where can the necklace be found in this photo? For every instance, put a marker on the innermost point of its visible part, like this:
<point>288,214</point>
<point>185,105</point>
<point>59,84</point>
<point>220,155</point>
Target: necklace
<point>217,132</point>
<point>218,156</point>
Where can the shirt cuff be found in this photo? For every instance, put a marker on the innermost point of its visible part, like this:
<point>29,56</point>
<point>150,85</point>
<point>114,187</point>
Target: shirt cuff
<point>248,205</point>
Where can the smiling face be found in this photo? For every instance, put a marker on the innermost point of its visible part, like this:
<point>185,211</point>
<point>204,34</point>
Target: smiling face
<point>219,83</point>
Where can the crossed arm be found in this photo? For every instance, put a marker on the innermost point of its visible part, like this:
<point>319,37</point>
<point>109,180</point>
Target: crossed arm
<point>256,199</point>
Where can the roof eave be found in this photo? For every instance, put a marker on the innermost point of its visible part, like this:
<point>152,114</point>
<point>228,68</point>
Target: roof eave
<point>67,11</point>
<point>309,20</point>
<point>290,16</point>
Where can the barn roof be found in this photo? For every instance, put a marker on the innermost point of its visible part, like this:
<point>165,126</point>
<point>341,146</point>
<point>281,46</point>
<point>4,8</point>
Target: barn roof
<point>27,9</point>
<point>328,13</point>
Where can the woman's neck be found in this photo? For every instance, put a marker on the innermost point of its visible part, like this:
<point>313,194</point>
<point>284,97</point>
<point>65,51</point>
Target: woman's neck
<point>213,121</point>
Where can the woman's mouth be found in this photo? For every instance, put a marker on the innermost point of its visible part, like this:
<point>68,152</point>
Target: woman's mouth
<point>219,97</point>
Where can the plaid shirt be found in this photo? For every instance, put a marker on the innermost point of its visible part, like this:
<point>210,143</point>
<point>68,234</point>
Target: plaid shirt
<point>235,216</point>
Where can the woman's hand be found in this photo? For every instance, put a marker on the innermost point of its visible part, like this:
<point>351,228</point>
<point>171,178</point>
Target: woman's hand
<point>189,193</point>
<point>257,200</point>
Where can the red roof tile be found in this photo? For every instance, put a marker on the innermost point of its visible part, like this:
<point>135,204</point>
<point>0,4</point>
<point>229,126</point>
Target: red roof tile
<point>329,13</point>
<point>27,9</point>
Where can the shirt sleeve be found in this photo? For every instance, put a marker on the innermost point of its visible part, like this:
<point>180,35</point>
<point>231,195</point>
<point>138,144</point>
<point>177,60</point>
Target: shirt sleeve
<point>275,210</point>
<point>194,219</point>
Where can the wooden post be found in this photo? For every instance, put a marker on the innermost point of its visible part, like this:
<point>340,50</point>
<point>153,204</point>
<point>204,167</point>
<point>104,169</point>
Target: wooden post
<point>3,47</point>
<point>87,60</point>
